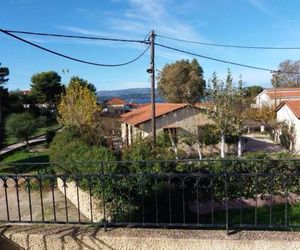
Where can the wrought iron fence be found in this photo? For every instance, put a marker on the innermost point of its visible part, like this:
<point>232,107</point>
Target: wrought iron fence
<point>196,194</point>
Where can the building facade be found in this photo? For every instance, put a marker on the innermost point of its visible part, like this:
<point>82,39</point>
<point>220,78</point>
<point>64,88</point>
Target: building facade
<point>175,118</point>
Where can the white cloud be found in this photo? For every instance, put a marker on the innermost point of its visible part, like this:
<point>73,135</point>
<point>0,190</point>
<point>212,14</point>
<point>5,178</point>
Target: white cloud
<point>260,5</point>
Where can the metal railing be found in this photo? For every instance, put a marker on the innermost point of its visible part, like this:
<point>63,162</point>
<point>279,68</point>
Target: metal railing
<point>191,196</point>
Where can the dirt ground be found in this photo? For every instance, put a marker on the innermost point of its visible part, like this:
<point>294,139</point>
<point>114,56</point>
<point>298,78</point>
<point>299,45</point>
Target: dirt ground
<point>59,204</point>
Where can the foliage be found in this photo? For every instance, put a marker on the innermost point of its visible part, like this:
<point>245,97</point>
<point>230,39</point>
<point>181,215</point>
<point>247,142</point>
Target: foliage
<point>287,136</point>
<point>46,87</point>
<point>4,72</point>
<point>253,91</point>
<point>23,125</point>
<point>50,135</point>
<point>264,115</point>
<point>229,106</point>
<point>104,131</point>
<point>163,140</point>
<point>143,150</point>
<point>78,107</point>
<point>210,134</point>
<point>37,154</point>
<point>75,155</point>
<point>182,82</point>
<point>287,74</point>
<point>83,83</point>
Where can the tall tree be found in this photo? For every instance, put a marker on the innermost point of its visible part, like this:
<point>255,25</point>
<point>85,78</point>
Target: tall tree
<point>84,83</point>
<point>78,107</point>
<point>285,76</point>
<point>4,72</point>
<point>253,91</point>
<point>23,125</point>
<point>228,107</point>
<point>46,87</point>
<point>182,81</point>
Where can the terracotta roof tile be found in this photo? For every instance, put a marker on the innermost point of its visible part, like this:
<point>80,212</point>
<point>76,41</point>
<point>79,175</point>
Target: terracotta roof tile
<point>294,106</point>
<point>143,114</point>
<point>283,92</point>
<point>115,101</point>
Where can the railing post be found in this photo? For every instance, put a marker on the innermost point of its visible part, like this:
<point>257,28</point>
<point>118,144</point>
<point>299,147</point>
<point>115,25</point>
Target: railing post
<point>102,179</point>
<point>226,195</point>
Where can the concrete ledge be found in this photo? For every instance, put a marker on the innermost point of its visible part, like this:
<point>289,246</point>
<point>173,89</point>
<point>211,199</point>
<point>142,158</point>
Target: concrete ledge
<point>85,237</point>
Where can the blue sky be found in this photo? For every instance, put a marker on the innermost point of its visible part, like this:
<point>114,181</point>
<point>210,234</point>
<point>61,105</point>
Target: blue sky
<point>244,22</point>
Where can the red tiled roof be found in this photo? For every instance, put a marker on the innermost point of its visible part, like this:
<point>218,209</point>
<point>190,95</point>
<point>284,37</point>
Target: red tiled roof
<point>283,92</point>
<point>294,106</point>
<point>143,114</point>
<point>115,101</point>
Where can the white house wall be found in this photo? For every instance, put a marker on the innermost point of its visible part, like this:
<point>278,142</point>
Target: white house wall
<point>263,99</point>
<point>286,115</point>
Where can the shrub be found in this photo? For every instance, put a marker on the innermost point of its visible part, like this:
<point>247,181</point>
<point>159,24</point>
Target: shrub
<point>74,155</point>
<point>50,135</point>
<point>143,150</point>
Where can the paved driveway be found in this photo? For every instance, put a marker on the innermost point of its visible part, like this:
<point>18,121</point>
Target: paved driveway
<point>261,143</point>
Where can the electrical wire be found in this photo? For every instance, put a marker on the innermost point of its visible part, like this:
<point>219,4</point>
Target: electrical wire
<point>229,45</point>
<point>73,58</point>
<point>223,61</point>
<point>74,36</point>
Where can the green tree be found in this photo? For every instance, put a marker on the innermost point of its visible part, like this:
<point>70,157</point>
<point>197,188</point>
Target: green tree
<point>210,135</point>
<point>46,87</point>
<point>253,91</point>
<point>182,81</point>
<point>84,83</point>
<point>287,75</point>
<point>228,107</point>
<point>22,126</point>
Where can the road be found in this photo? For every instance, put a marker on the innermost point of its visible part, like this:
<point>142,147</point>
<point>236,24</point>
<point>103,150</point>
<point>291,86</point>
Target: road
<point>21,144</point>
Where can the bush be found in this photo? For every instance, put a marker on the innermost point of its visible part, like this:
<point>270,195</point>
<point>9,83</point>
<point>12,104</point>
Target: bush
<point>50,135</point>
<point>74,155</point>
<point>143,150</point>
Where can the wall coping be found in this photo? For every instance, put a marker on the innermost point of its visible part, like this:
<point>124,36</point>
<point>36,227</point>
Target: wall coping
<point>115,238</point>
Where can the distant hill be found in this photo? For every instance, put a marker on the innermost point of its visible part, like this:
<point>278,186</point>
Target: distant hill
<point>136,95</point>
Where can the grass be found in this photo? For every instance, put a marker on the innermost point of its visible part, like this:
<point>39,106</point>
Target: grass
<point>247,216</point>
<point>53,125</point>
<point>38,153</point>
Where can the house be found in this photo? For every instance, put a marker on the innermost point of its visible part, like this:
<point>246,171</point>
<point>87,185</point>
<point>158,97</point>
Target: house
<point>174,118</point>
<point>275,96</point>
<point>116,106</point>
<point>289,112</point>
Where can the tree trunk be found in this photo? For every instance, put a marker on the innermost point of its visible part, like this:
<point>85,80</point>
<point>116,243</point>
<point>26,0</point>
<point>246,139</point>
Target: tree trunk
<point>174,146</point>
<point>222,146</point>
<point>240,147</point>
<point>199,151</point>
<point>27,143</point>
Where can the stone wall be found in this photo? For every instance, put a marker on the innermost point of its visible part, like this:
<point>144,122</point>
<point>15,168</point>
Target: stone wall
<point>38,237</point>
<point>84,201</point>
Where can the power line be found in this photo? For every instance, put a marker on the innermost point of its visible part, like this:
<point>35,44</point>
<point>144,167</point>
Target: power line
<point>75,36</point>
<point>223,61</point>
<point>229,45</point>
<point>73,58</point>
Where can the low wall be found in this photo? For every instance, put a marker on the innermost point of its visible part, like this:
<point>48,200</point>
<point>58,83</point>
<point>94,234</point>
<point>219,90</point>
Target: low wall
<point>84,200</point>
<point>37,237</point>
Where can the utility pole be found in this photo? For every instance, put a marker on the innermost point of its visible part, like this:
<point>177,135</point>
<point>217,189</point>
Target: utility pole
<point>152,72</point>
